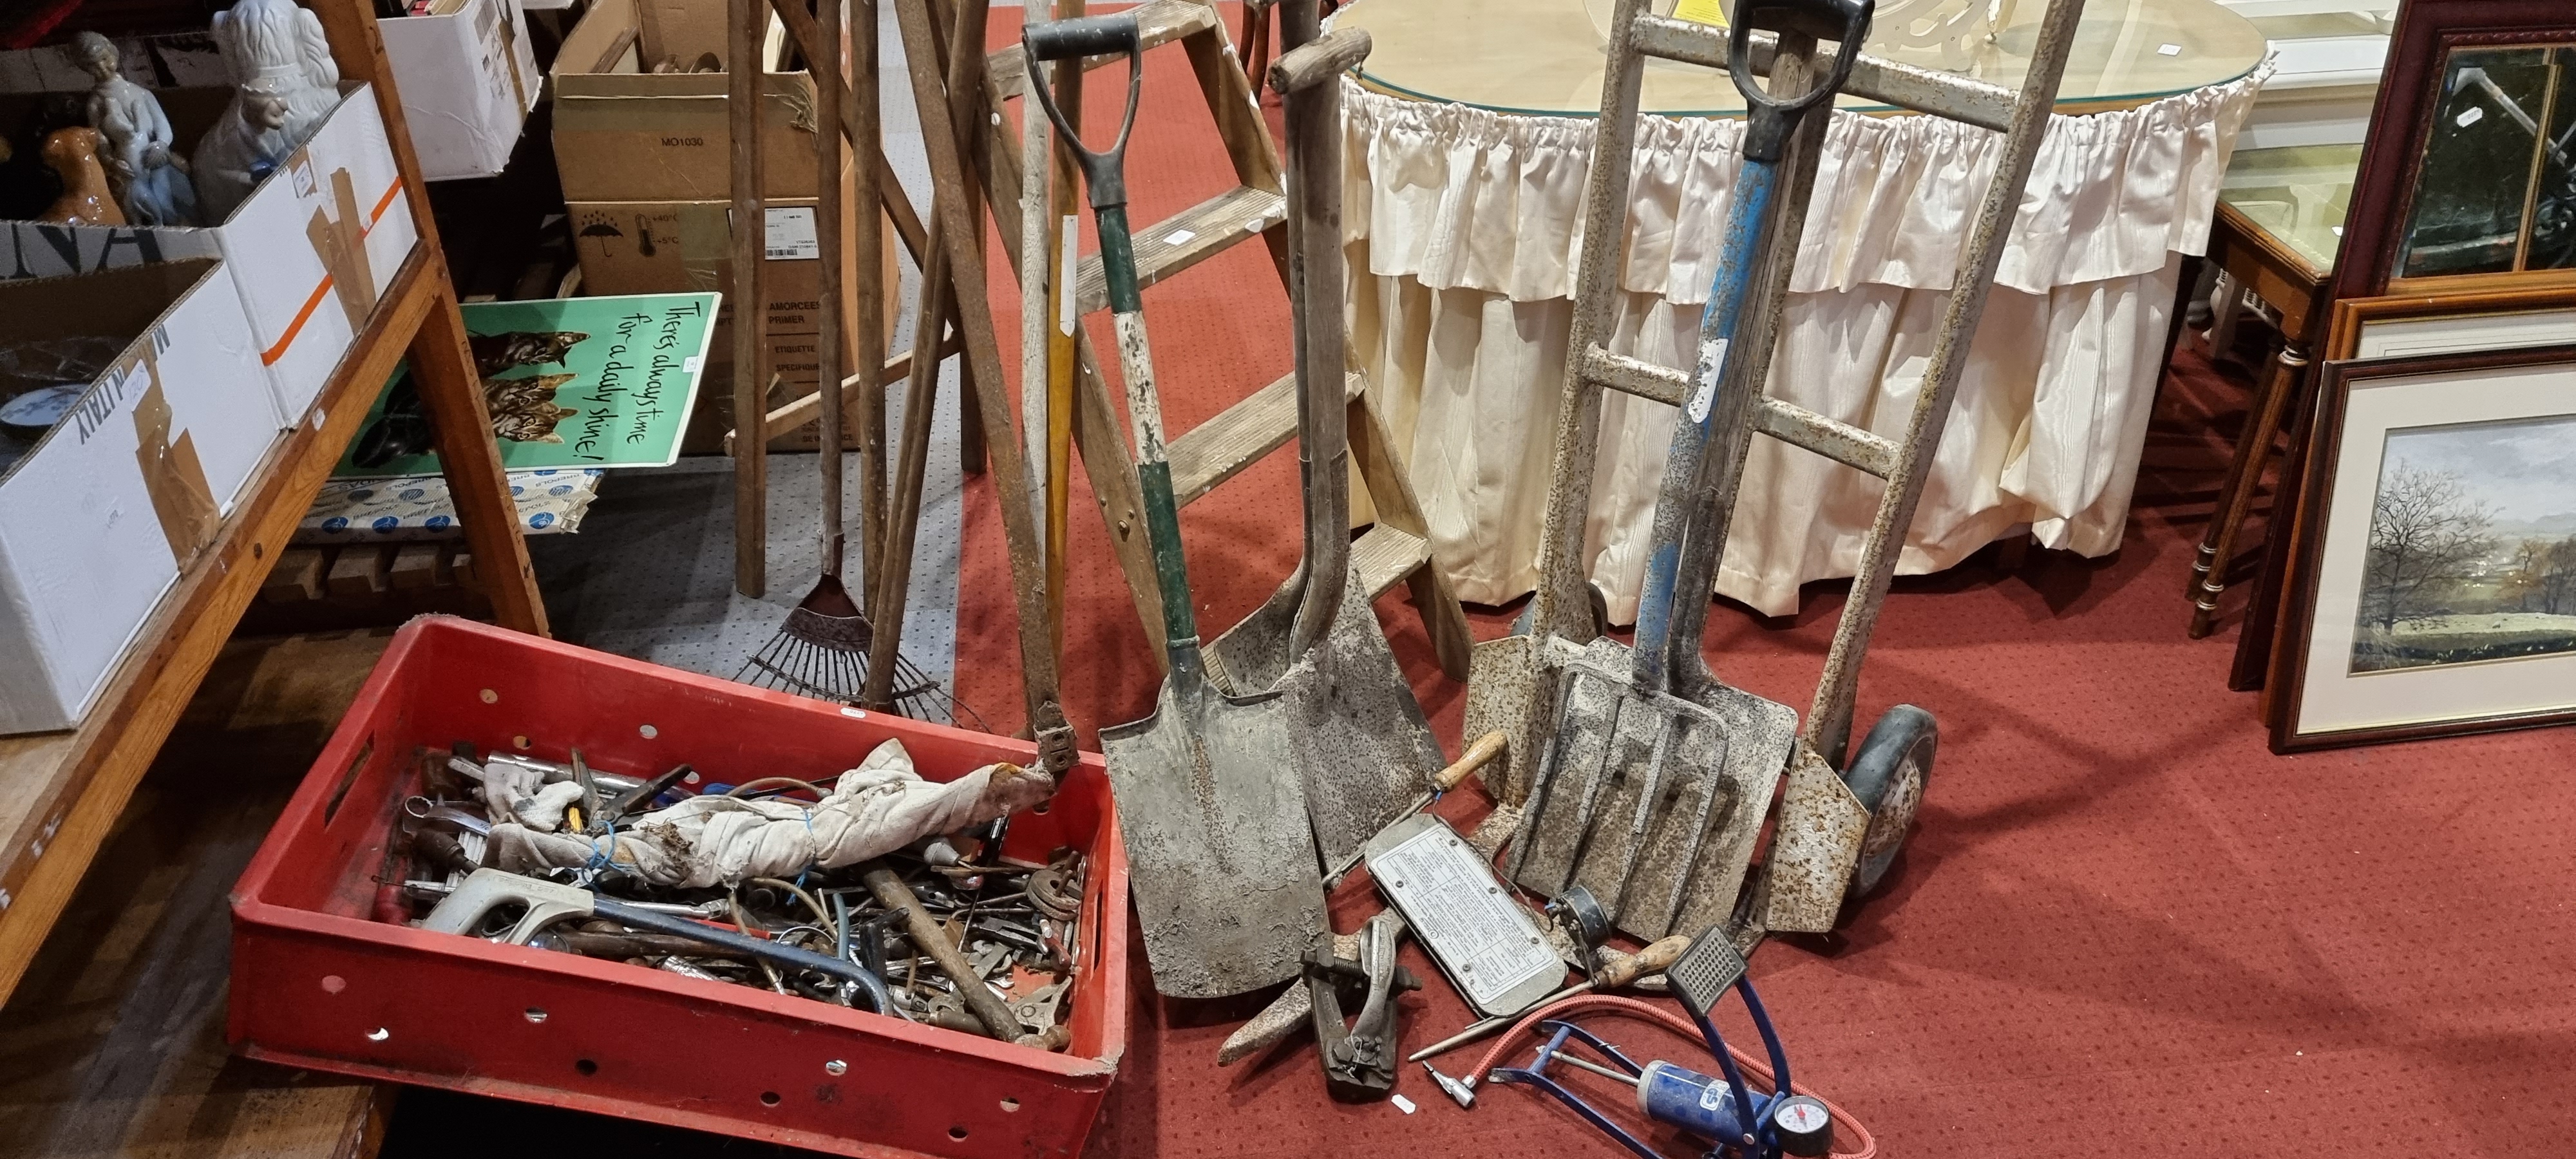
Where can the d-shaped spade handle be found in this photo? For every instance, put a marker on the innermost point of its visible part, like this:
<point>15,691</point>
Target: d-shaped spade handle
<point>1846,22</point>
<point>1104,172</point>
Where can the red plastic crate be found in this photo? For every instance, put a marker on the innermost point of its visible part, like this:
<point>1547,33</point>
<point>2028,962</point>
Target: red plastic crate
<point>317,984</point>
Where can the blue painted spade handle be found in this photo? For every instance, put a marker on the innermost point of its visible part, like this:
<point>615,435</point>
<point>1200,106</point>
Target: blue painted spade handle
<point>1766,132</point>
<point>1754,188</point>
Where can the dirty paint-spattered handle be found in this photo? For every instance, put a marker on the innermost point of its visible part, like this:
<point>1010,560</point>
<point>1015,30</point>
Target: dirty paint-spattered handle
<point>1145,410</point>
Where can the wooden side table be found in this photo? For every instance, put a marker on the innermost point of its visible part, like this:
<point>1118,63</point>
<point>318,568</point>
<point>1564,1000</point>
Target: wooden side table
<point>2280,217</point>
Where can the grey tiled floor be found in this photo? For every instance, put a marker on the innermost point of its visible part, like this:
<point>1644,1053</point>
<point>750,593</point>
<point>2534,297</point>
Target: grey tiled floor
<point>650,575</point>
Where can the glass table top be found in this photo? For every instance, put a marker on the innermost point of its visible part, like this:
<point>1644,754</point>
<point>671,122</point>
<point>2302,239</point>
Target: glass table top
<point>2297,194</point>
<point>1544,56</point>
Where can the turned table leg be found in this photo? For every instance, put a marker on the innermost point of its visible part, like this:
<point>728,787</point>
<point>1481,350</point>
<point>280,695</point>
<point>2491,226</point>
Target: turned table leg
<point>2244,477</point>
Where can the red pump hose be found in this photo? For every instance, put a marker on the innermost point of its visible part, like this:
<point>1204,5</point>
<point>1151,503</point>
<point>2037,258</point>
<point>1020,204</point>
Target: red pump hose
<point>1613,1004</point>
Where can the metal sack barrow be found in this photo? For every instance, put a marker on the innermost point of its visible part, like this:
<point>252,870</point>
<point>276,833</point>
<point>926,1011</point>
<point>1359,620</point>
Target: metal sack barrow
<point>1658,807</point>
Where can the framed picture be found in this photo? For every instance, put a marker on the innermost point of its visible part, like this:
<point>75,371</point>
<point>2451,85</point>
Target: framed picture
<point>2469,177</point>
<point>2416,325</point>
<point>2435,555</point>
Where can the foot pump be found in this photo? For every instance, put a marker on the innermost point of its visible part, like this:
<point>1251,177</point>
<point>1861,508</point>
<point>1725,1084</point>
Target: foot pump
<point>1739,1121</point>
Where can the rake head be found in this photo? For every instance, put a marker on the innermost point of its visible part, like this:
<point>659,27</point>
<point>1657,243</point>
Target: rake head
<point>822,652</point>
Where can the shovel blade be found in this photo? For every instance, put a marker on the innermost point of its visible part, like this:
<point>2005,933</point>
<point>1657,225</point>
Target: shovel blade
<point>1252,656</point>
<point>1221,861</point>
<point>1508,691</point>
<point>1357,734</point>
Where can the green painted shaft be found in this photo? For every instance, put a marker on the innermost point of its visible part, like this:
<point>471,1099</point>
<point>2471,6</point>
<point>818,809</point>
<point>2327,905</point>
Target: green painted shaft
<point>1118,260</point>
<point>1171,573</point>
<point>1153,469</point>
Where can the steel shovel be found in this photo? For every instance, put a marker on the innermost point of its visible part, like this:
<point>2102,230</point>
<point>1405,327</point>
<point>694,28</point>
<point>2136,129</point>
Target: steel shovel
<point>1221,862</point>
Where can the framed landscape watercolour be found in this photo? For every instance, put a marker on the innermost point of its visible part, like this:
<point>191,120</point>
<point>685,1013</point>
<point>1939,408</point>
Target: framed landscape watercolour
<point>2435,565</point>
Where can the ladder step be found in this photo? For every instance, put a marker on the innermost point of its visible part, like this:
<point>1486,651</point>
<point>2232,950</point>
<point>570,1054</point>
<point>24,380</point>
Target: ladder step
<point>1187,238</point>
<point>1785,421</point>
<point>1385,556</point>
<point>1220,448</point>
<point>1923,90</point>
<point>1160,23</point>
<point>1832,438</point>
<point>1636,376</point>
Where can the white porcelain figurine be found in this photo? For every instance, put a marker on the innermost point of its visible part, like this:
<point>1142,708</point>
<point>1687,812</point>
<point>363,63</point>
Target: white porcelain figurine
<point>150,181</point>
<point>287,83</point>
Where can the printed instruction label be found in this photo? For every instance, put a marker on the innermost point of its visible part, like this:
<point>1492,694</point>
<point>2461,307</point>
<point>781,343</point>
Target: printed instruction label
<point>1462,915</point>
<point>790,235</point>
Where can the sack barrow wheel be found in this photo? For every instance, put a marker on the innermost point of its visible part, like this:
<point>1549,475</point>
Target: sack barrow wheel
<point>1887,776</point>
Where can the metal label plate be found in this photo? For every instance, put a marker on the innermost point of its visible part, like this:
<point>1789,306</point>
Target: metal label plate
<point>1482,939</point>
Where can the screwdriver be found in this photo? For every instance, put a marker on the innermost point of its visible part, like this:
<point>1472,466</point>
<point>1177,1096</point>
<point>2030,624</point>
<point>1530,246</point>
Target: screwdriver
<point>1616,970</point>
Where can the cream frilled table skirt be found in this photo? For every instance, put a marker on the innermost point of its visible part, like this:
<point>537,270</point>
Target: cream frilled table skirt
<point>1463,231</point>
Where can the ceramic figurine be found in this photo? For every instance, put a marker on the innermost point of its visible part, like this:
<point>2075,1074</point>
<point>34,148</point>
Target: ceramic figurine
<point>150,181</point>
<point>73,154</point>
<point>286,83</point>
<point>246,144</point>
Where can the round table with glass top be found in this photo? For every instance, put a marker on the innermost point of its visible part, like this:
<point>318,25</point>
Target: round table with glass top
<point>1544,56</point>
<point>1467,141</point>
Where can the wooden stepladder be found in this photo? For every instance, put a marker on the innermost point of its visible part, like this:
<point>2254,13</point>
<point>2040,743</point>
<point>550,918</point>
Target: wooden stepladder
<point>1398,547</point>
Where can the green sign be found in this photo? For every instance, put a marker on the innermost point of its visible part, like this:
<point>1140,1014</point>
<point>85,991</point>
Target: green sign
<point>570,382</point>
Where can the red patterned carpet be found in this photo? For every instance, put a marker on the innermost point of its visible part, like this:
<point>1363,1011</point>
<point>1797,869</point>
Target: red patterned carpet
<point>2124,928</point>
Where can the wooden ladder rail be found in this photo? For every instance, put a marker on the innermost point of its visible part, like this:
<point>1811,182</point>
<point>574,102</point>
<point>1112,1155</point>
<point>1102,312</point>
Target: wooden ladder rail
<point>1398,547</point>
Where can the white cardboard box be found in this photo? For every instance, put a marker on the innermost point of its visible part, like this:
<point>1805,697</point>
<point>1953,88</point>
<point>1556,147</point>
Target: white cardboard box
<point>467,83</point>
<point>310,250</point>
<point>98,520</point>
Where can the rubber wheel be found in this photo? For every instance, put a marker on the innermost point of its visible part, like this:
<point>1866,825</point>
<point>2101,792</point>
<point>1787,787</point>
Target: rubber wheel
<point>1887,775</point>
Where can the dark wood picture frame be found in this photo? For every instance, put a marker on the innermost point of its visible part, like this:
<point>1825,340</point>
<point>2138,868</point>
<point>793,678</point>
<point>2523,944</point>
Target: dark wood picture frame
<point>2307,541</point>
<point>2401,118</point>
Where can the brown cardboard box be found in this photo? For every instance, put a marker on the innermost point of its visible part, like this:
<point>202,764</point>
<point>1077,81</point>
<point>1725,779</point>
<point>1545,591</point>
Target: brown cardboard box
<point>659,247</point>
<point>625,133</point>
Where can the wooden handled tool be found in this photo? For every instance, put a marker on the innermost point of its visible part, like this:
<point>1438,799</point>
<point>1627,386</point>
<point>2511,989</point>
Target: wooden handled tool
<point>1483,752</point>
<point>1615,970</point>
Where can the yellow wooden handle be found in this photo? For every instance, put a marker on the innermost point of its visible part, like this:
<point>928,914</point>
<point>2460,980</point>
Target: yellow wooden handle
<point>1619,969</point>
<point>1477,756</point>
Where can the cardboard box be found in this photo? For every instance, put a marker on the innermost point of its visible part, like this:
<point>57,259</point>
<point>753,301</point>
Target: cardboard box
<point>657,247</point>
<point>623,132</point>
<point>101,516</point>
<point>468,79</point>
<point>310,250</point>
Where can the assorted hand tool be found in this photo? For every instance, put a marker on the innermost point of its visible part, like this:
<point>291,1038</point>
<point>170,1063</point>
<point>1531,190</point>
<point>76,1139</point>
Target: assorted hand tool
<point>1228,892</point>
<point>1358,1057</point>
<point>1724,1111</point>
<point>946,933</point>
<point>1358,739</point>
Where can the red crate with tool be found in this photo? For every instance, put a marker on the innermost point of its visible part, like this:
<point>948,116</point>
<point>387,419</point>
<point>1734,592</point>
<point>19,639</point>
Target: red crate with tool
<point>317,983</point>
